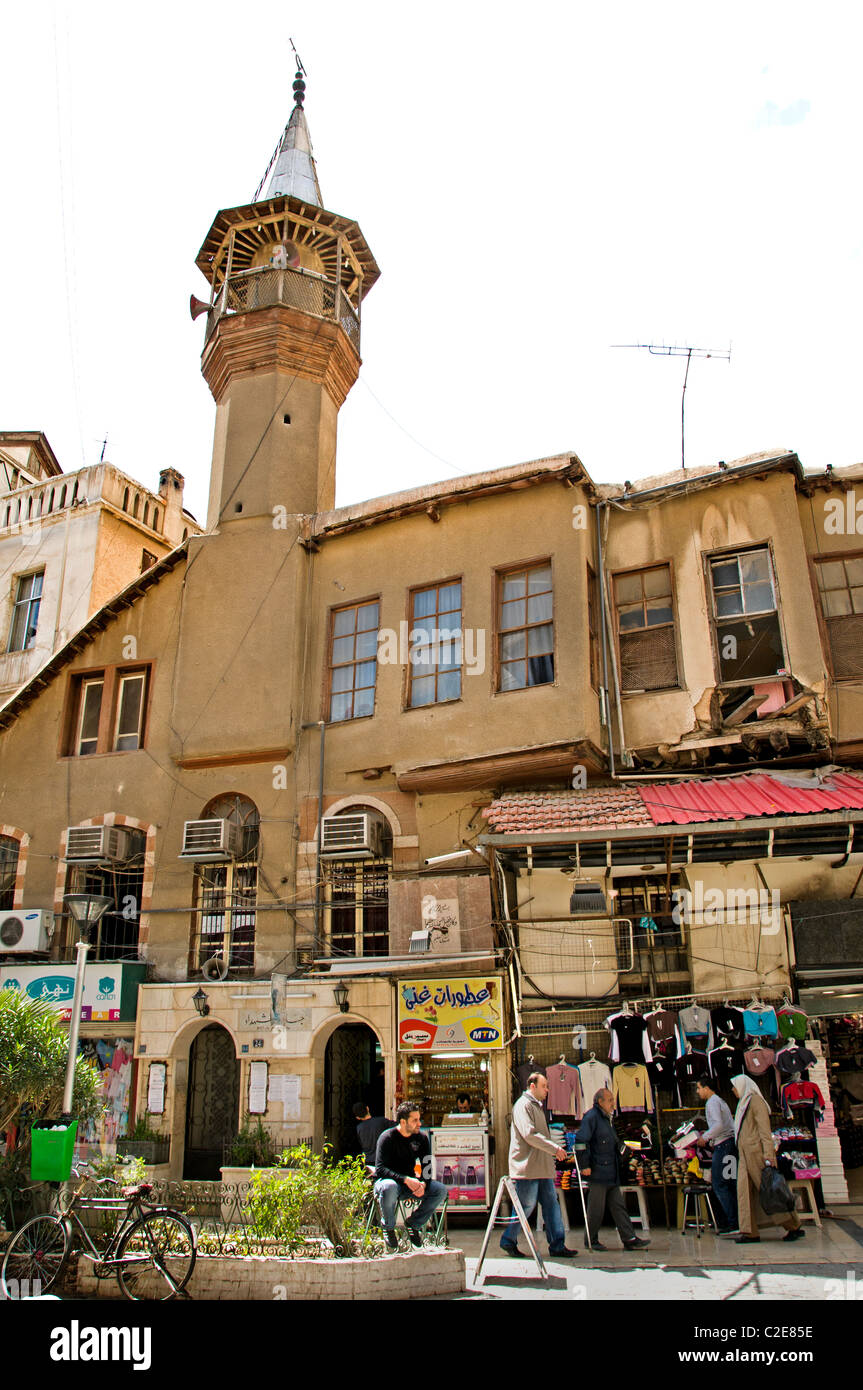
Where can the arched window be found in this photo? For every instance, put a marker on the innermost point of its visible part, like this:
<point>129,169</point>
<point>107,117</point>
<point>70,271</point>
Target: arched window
<point>8,871</point>
<point>146,515</point>
<point>136,505</point>
<point>357,889</point>
<point>116,937</point>
<point>51,500</point>
<point>155,518</point>
<point>226,890</point>
<point>126,500</point>
<point>62,497</point>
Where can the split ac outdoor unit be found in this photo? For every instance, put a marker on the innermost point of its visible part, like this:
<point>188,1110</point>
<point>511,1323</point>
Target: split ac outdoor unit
<point>98,844</point>
<point>26,932</point>
<point>352,837</point>
<point>211,839</point>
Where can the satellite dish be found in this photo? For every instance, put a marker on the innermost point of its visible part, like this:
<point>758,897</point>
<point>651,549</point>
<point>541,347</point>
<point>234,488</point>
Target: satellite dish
<point>216,968</point>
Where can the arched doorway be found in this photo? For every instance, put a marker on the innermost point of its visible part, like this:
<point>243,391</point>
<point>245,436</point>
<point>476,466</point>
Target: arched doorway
<point>352,1061</point>
<point>212,1101</point>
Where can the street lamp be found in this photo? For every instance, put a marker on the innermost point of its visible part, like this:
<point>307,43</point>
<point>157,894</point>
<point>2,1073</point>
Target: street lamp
<point>340,995</point>
<point>86,909</point>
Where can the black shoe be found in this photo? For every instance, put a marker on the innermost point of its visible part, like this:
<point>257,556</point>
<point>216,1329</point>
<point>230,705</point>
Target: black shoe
<point>391,1240</point>
<point>637,1244</point>
<point>513,1252</point>
<point>795,1235</point>
<point>563,1254</point>
<point>415,1237</point>
<point>596,1245</point>
<point>748,1240</point>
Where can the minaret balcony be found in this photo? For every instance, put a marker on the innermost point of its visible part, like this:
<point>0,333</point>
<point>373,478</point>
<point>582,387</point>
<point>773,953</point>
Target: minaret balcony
<point>305,290</point>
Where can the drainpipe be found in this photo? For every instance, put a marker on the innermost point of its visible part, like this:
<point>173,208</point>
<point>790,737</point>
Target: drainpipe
<point>604,639</point>
<point>321,726</point>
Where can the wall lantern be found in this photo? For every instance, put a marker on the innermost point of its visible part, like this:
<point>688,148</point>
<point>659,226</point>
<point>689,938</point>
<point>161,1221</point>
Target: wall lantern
<point>340,994</point>
<point>199,999</point>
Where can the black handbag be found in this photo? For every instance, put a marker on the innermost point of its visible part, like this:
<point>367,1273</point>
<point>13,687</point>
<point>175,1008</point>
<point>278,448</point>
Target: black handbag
<point>776,1197</point>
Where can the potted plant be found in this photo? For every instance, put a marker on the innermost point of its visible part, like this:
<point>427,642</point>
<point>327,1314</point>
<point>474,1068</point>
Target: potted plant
<point>144,1142</point>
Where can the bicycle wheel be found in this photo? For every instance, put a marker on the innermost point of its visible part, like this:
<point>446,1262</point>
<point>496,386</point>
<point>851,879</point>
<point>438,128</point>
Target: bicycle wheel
<point>35,1257</point>
<point>156,1256</point>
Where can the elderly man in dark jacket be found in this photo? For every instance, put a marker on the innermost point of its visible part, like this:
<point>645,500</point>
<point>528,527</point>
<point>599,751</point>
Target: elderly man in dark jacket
<point>599,1150</point>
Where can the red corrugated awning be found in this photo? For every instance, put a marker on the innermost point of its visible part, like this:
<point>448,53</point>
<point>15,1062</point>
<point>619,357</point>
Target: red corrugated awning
<point>740,798</point>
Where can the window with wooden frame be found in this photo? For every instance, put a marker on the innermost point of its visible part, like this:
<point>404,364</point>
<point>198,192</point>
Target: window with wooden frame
<point>357,899</point>
<point>745,615</point>
<point>525,627</point>
<point>352,669</point>
<point>107,711</point>
<point>593,627</point>
<point>25,612</point>
<point>435,656</point>
<point>840,591</point>
<point>9,850</point>
<point>646,638</point>
<point>226,893</point>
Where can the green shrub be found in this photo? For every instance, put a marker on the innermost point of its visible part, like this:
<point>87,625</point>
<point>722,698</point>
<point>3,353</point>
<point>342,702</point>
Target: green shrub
<point>142,1133</point>
<point>253,1146</point>
<point>314,1194</point>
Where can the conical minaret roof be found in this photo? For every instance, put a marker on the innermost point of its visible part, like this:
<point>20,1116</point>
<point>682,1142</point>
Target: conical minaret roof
<point>294,171</point>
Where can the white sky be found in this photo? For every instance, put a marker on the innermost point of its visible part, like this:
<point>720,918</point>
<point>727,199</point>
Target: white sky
<point>537,183</point>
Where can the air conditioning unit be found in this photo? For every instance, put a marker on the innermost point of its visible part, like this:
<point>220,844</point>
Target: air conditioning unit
<point>211,839</point>
<point>98,844</point>
<point>587,900</point>
<point>29,932</point>
<point>358,836</point>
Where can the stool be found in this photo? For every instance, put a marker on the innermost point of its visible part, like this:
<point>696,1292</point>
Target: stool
<point>561,1202</point>
<point>701,1195</point>
<point>809,1210</point>
<point>641,1197</point>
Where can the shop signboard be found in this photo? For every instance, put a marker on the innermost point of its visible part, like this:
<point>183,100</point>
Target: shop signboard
<point>455,1014</point>
<point>110,989</point>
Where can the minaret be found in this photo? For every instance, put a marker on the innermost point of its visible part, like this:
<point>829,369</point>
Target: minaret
<point>287,279</point>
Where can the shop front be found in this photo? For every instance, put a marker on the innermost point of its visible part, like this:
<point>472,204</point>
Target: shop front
<point>106,1038</point>
<point>453,1062</point>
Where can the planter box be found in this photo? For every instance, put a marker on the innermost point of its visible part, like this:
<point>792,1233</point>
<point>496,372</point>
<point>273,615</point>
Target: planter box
<point>150,1150</point>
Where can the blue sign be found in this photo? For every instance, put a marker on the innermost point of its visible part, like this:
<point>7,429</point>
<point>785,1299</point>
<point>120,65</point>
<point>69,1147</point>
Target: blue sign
<point>57,988</point>
<point>484,1035</point>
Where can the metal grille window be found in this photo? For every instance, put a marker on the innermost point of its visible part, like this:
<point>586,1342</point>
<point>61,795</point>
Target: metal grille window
<point>525,628</point>
<point>353,661</point>
<point>436,644</point>
<point>117,931</point>
<point>227,892</point>
<point>25,612</point>
<point>745,617</point>
<point>645,629</point>
<point>659,944</point>
<point>359,908</point>
<point>8,871</point>
<point>840,588</point>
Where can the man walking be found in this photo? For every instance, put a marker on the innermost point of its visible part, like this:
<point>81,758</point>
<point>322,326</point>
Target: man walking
<point>599,1160</point>
<point>723,1165</point>
<point>403,1168</point>
<point>532,1152</point>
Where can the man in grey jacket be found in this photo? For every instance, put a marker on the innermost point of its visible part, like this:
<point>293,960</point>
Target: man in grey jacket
<point>532,1152</point>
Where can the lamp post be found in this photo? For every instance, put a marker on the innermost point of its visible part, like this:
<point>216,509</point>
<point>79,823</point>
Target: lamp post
<point>86,909</point>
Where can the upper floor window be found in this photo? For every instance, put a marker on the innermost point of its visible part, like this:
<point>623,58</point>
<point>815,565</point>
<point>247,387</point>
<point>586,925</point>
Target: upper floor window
<point>25,612</point>
<point>593,627</point>
<point>226,893</point>
<point>745,617</point>
<point>9,849</point>
<point>436,644</point>
<point>840,589</point>
<point>645,629</point>
<point>358,899</point>
<point>116,936</point>
<point>148,559</point>
<point>525,629</point>
<point>353,661</point>
<point>108,711</point>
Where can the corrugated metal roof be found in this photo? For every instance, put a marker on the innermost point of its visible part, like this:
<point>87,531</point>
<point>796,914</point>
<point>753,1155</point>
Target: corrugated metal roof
<point>740,798</point>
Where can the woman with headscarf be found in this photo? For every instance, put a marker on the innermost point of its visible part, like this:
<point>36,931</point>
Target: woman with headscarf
<point>755,1151</point>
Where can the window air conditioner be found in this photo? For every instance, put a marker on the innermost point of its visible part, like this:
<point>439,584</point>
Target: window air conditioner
<point>98,844</point>
<point>26,932</point>
<point>587,900</point>
<point>211,839</point>
<point>352,837</point>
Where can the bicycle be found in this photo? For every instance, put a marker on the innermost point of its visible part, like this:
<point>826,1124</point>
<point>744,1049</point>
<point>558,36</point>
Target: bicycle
<point>152,1251</point>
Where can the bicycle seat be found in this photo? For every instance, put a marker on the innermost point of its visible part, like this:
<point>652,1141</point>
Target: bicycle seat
<point>138,1190</point>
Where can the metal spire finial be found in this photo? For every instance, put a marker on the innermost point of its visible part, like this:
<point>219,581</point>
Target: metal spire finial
<point>299,87</point>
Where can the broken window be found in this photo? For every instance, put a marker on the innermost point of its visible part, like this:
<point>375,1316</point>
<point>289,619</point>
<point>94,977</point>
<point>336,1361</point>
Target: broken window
<point>745,618</point>
<point>645,629</point>
<point>840,589</point>
<point>525,634</point>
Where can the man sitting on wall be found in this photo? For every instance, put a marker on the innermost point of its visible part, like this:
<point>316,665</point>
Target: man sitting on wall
<point>403,1168</point>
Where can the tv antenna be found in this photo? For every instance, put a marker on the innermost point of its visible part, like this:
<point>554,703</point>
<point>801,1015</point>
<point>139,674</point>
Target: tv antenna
<point>661,350</point>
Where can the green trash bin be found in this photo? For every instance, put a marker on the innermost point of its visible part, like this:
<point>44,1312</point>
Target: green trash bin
<point>52,1148</point>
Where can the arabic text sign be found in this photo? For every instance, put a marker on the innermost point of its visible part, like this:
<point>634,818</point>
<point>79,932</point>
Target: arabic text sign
<point>56,984</point>
<point>451,1015</point>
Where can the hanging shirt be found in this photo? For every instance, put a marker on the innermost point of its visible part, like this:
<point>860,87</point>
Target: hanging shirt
<point>564,1090</point>
<point>695,1021</point>
<point>726,1023</point>
<point>631,1087</point>
<point>690,1067</point>
<point>758,1060</point>
<point>662,1074</point>
<point>800,1093</point>
<point>793,1022</point>
<point>794,1059</point>
<point>594,1076</point>
<point>527,1069</point>
<point>661,1025</point>
<point>629,1040</point>
<point>760,1023</point>
<point>725,1062</point>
